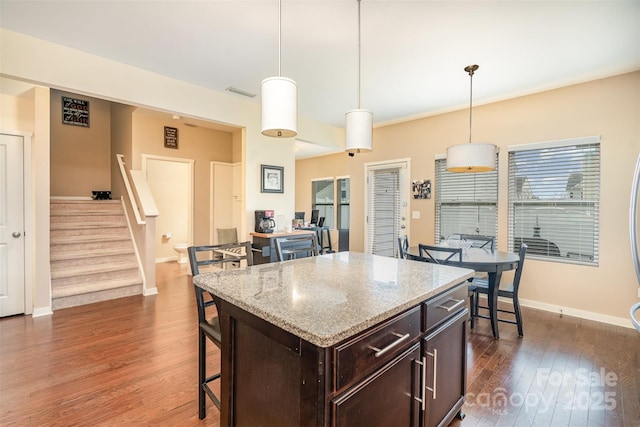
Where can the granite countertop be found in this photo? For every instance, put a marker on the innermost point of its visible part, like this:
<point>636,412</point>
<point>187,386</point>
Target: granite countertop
<point>329,298</point>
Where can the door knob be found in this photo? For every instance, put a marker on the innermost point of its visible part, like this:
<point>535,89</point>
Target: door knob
<point>16,234</point>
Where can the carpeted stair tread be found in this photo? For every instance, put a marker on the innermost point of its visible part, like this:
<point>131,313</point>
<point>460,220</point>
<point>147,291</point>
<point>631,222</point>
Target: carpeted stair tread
<point>85,270</point>
<point>85,288</point>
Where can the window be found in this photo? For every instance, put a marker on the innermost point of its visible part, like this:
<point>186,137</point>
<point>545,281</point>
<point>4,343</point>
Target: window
<point>466,203</point>
<point>323,199</point>
<point>344,195</point>
<point>554,196</point>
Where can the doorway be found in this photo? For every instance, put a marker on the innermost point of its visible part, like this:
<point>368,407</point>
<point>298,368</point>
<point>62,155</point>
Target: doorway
<point>171,183</point>
<point>387,201</point>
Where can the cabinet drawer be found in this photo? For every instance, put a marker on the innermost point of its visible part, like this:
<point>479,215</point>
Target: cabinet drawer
<point>444,306</point>
<point>364,353</point>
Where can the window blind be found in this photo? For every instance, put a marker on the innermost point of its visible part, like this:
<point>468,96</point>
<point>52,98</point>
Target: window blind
<point>466,203</point>
<point>554,197</point>
<point>384,210</point>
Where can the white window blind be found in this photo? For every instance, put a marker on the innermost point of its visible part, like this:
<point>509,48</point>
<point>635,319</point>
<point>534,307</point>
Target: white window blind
<point>384,210</point>
<point>466,203</point>
<point>322,193</point>
<point>554,198</point>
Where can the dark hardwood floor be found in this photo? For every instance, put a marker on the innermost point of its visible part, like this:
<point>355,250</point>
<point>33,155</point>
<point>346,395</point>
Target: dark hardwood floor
<point>133,361</point>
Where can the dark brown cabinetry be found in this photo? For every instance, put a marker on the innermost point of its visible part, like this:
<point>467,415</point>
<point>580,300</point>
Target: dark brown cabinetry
<point>406,371</point>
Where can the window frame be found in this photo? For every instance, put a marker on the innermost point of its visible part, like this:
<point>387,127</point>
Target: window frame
<point>590,205</point>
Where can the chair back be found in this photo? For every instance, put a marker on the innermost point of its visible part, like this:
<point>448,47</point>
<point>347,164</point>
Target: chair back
<point>203,256</point>
<point>403,246</point>
<point>298,246</point>
<point>430,254</point>
<point>518,273</point>
<point>478,241</point>
<point>227,235</point>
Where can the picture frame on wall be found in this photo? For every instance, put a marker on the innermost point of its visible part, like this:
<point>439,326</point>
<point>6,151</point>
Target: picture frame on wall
<point>75,112</point>
<point>272,179</point>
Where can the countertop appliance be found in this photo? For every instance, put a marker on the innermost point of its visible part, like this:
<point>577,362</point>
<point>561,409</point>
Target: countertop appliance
<point>264,221</point>
<point>633,234</point>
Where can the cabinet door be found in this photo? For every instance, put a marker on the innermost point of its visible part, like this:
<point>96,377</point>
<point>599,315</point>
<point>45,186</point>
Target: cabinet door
<point>385,398</point>
<point>445,353</point>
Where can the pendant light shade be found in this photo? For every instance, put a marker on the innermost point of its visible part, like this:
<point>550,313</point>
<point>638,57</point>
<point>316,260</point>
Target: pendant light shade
<point>358,122</point>
<point>279,107</point>
<point>279,99</point>
<point>359,125</point>
<point>471,157</point>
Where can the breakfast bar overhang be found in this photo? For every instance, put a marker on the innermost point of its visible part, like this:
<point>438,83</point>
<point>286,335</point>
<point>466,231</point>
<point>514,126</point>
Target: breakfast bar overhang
<point>341,339</point>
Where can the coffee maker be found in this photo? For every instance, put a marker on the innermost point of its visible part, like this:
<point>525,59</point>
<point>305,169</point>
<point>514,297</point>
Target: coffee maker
<point>264,221</point>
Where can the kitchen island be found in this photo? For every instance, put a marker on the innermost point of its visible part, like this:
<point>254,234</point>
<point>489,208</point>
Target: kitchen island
<point>342,339</point>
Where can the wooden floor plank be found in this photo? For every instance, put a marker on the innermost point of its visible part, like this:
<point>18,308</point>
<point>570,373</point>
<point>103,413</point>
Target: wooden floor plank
<point>133,361</point>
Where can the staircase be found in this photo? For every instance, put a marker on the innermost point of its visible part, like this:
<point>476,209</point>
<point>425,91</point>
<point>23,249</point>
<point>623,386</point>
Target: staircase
<point>92,255</point>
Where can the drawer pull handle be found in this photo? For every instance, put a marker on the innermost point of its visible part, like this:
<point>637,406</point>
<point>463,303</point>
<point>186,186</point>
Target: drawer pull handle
<point>423,384</point>
<point>380,352</point>
<point>458,303</point>
<point>435,371</point>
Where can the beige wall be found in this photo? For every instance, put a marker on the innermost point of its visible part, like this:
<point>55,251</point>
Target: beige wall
<point>194,143</point>
<point>80,156</point>
<point>608,107</point>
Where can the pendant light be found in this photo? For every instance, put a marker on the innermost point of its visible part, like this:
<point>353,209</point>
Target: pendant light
<point>359,122</point>
<point>279,99</point>
<point>478,157</point>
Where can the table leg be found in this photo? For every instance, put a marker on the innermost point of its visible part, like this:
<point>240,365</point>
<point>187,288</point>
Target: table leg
<point>494,282</point>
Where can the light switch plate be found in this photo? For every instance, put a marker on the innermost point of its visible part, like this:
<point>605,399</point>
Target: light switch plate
<point>415,214</point>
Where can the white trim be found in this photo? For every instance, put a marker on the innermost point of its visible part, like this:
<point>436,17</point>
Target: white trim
<point>135,247</point>
<point>573,312</point>
<point>440,156</point>
<point>29,241</point>
<point>383,164</point>
<point>70,198</point>
<point>328,178</point>
<point>554,144</point>
<point>343,177</point>
<point>42,311</point>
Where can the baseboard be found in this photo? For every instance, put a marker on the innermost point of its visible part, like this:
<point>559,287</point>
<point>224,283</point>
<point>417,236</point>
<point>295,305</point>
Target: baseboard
<point>150,291</point>
<point>582,314</point>
<point>41,311</point>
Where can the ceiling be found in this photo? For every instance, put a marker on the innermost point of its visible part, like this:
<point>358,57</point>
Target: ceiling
<point>413,53</point>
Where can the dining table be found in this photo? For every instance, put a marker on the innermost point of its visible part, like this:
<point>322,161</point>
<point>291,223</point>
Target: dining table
<point>492,262</point>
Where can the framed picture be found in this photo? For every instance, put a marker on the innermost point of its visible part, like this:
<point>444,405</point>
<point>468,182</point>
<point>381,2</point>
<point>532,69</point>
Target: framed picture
<point>75,112</point>
<point>421,189</point>
<point>170,137</point>
<point>272,179</point>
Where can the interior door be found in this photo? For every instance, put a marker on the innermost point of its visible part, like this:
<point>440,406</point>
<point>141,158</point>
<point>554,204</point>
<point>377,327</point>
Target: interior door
<point>12,287</point>
<point>387,206</point>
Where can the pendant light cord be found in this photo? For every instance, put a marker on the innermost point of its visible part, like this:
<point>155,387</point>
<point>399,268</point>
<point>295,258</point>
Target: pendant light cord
<point>359,31</point>
<point>470,100</point>
<point>279,38</point>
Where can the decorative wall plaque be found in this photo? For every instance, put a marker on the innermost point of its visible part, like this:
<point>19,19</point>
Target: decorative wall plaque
<point>75,112</point>
<point>170,137</point>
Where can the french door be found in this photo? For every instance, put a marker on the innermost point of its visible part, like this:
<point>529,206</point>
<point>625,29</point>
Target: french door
<point>387,204</point>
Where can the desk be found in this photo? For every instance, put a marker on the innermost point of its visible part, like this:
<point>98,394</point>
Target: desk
<point>340,337</point>
<point>491,262</point>
<point>264,245</point>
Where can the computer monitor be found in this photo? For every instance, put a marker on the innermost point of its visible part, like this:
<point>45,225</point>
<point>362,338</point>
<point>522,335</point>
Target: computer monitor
<point>315,213</point>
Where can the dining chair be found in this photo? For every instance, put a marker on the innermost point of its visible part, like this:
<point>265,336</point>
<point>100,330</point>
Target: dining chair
<point>403,246</point>
<point>429,253</point>
<point>485,242</point>
<point>209,327</point>
<point>510,290</point>
<point>298,246</point>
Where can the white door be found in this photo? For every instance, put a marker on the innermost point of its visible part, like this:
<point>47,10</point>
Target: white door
<point>171,183</point>
<point>11,225</point>
<point>387,200</point>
